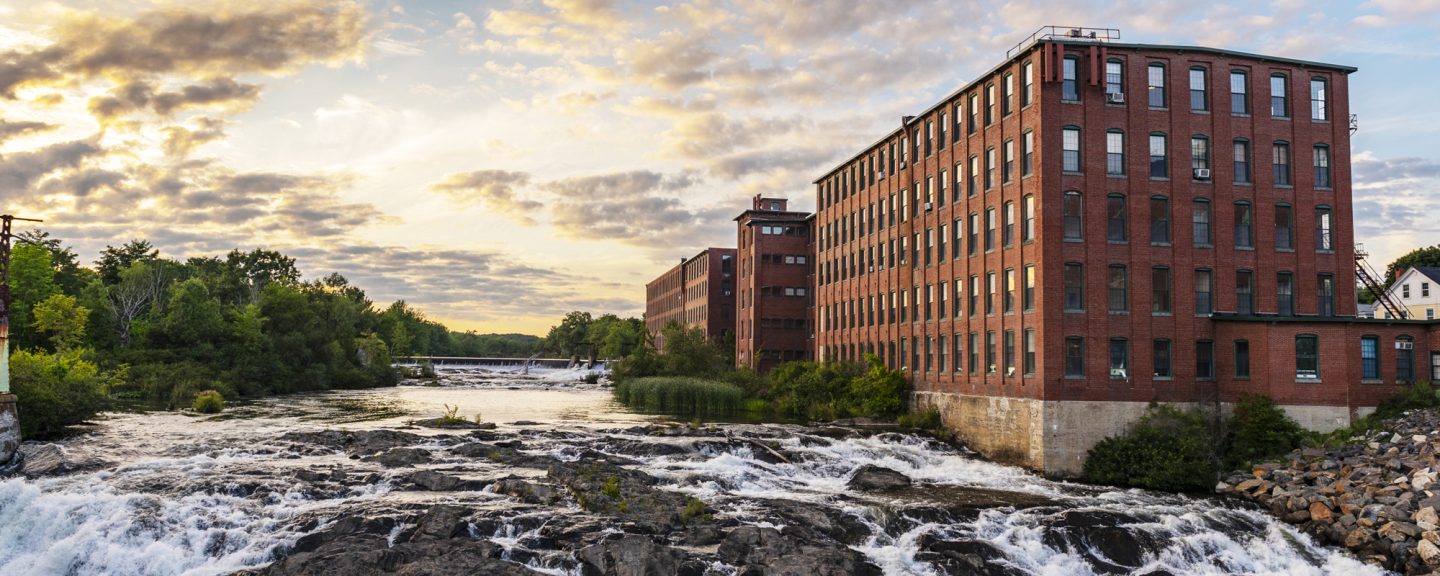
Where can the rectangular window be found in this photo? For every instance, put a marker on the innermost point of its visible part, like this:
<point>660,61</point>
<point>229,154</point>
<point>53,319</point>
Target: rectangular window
<point>1404,360</point>
<point>1205,360</point>
<point>1027,83</point>
<point>974,233</point>
<point>974,174</point>
<point>1027,218</point>
<point>1199,154</point>
<point>1244,226</point>
<point>1074,287</point>
<point>1307,357</point>
<point>974,109</point>
<point>989,229</point>
<point>1007,95</point>
<point>1159,159</point>
<point>1239,100</point>
<point>1160,291</point>
<point>1242,162</point>
<point>1071,209</point>
<point>1029,349</point>
<point>1285,293</point>
<point>1070,152</point>
<point>1159,220</point>
<point>1009,352</point>
<point>959,352</point>
<point>1027,153</point>
<point>1204,288</point>
<point>943,346</point>
<point>1370,357</point>
<point>1009,290</point>
<point>1162,359</point>
<point>1324,241</point>
<point>1327,295</point>
<point>1242,359</point>
<point>1279,100</point>
<point>1280,158</point>
<point>1028,296</point>
<point>1119,358</point>
<point>1117,289</point>
<point>989,104</point>
<point>974,352</point>
<point>1322,166</point>
<point>989,167</point>
<point>1074,357</point>
<point>1114,77</point>
<point>1200,223</point>
<point>990,289</point>
<point>1007,236</point>
<point>1115,230</point>
<point>1198,99</point>
<point>974,294</point>
<point>1007,161</point>
<point>1284,227</point>
<point>990,367</point>
<point>1069,85</point>
<point>1114,153</point>
<point>1318,96</point>
<point>1156,86</point>
<point>1244,293</point>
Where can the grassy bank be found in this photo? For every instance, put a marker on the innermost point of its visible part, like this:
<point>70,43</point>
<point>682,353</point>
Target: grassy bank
<point>681,395</point>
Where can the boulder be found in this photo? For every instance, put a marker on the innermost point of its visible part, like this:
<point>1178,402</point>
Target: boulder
<point>1320,512</point>
<point>875,478</point>
<point>637,556</point>
<point>1429,553</point>
<point>400,457</point>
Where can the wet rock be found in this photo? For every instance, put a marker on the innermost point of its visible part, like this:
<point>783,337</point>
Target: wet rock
<point>436,481</point>
<point>453,424</point>
<point>637,556</point>
<point>631,496</point>
<point>361,442</point>
<point>440,522</point>
<point>530,492</point>
<point>875,478</point>
<point>400,457</point>
<point>966,557</point>
<point>766,551</point>
<point>53,460</point>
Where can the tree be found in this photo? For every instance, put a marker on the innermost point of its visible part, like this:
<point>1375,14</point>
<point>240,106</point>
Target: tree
<point>32,280</point>
<point>569,338</point>
<point>193,319</point>
<point>64,318</point>
<point>69,276</point>
<point>1428,256</point>
<point>138,287</point>
<point>114,260</point>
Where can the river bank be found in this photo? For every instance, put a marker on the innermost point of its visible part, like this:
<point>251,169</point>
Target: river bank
<point>1376,496</point>
<point>569,482</point>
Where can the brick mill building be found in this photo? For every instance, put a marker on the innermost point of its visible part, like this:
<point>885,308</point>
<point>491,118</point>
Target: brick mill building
<point>1092,226</point>
<point>777,288</point>
<point>699,292</point>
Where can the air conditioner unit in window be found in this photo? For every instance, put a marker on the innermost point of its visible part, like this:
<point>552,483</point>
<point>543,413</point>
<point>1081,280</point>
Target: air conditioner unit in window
<point>929,206</point>
<point>1202,173</point>
<point>1404,345</point>
<point>1115,97</point>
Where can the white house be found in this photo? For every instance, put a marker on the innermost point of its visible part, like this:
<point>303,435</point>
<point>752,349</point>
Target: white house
<point>1418,291</point>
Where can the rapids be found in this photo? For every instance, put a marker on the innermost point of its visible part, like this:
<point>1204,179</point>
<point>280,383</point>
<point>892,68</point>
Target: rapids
<point>177,493</point>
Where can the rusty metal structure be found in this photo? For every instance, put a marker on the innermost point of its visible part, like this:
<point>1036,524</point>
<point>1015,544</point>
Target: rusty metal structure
<point>9,415</point>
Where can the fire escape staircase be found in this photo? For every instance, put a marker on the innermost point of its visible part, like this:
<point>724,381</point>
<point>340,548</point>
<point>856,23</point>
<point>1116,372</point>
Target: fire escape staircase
<point>1368,277</point>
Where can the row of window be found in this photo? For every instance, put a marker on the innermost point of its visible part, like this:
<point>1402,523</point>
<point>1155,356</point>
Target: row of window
<point>1159,165</point>
<point>928,247</point>
<point>1199,89</point>
<point>932,353</point>
<point>1201,216</point>
<point>932,301</point>
<point>1117,284</point>
<point>782,258</point>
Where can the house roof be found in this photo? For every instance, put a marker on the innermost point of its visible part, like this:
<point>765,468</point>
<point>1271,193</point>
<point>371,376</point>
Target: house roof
<point>1433,272</point>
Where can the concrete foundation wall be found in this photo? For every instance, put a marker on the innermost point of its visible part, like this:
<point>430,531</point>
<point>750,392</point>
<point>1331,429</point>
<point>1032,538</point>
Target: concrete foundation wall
<point>1053,436</point>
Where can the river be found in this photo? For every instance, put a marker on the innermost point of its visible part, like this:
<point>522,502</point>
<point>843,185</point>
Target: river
<point>297,476</point>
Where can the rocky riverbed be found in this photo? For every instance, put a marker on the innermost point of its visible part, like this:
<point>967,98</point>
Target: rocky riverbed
<point>1377,497</point>
<point>567,483</point>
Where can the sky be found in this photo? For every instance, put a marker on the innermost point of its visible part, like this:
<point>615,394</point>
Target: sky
<point>497,164</point>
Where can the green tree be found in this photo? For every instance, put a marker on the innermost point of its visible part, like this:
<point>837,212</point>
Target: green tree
<point>115,260</point>
<point>69,275</point>
<point>32,280</point>
<point>193,320</point>
<point>56,390</point>
<point>569,338</point>
<point>64,319</point>
<point>880,392</point>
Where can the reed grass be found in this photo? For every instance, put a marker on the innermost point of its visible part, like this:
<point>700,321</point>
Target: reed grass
<point>681,396</point>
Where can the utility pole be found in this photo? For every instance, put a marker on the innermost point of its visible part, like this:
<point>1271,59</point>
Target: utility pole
<point>9,415</point>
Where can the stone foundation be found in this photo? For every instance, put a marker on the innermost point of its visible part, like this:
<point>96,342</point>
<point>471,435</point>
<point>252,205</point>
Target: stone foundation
<point>1052,437</point>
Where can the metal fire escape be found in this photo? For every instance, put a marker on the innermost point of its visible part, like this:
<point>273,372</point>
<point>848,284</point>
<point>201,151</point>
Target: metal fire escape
<point>1368,277</point>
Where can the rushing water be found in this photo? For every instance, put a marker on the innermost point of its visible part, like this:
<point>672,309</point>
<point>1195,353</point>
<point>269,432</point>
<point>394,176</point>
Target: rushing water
<point>174,493</point>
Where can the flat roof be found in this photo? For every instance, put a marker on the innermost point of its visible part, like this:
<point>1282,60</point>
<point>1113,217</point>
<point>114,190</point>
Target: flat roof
<point>1080,42</point>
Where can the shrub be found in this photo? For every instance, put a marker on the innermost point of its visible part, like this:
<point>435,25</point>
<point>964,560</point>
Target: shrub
<point>590,378</point>
<point>1168,449</point>
<point>680,396</point>
<point>881,392</point>
<point>928,420</point>
<point>1259,430</point>
<point>57,390</point>
<point>208,402</point>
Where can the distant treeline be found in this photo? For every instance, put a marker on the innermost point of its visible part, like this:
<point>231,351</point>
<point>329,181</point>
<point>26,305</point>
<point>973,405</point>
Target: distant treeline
<point>142,327</point>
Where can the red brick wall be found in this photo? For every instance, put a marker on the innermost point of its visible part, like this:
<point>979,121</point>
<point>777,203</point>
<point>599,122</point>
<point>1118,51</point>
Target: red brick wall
<point>757,344</point>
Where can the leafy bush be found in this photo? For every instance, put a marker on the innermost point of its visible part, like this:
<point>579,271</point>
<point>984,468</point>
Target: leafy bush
<point>1168,449</point>
<point>928,420</point>
<point>591,378</point>
<point>1259,430</point>
<point>208,402</point>
<point>680,396</point>
<point>881,392</point>
<point>57,390</point>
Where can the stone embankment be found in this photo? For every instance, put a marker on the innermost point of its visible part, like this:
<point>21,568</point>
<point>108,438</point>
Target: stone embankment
<point>1378,496</point>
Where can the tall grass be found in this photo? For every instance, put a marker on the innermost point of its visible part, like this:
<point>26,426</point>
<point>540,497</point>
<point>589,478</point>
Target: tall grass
<point>680,396</point>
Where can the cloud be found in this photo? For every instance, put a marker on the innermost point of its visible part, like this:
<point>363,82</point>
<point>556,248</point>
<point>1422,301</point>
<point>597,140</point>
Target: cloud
<point>495,189</point>
<point>180,142</point>
<point>21,171</point>
<point>1394,203</point>
<point>12,130</point>
<point>637,207</point>
<point>223,93</point>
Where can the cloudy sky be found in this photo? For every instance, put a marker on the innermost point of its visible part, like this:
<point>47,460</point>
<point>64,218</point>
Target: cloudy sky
<point>499,163</point>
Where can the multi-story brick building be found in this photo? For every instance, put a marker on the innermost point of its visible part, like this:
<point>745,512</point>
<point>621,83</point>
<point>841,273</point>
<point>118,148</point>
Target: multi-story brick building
<point>776,288</point>
<point>696,293</point>
<point>1091,226</point>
